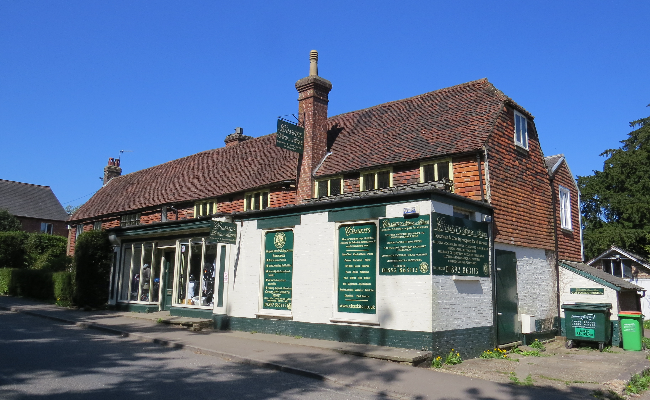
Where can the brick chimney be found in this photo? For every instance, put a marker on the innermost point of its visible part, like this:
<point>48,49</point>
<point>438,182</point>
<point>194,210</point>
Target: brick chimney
<point>312,108</point>
<point>112,169</point>
<point>236,137</point>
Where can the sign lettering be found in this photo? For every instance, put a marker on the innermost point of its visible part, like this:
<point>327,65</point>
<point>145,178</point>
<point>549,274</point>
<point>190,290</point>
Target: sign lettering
<point>404,246</point>
<point>460,246</point>
<point>278,270</point>
<point>223,232</point>
<point>289,136</point>
<point>357,268</point>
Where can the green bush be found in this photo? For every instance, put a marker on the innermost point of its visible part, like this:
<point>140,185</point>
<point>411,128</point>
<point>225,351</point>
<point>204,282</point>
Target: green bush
<point>6,282</point>
<point>92,264</point>
<point>47,252</point>
<point>63,284</point>
<point>33,283</point>
<point>12,250</point>
<point>9,223</point>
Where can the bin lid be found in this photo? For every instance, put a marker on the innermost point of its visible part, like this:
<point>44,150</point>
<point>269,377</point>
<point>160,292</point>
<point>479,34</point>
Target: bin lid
<point>630,312</point>
<point>588,306</point>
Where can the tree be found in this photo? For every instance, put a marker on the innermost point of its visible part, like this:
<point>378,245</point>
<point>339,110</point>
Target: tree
<point>70,209</point>
<point>9,223</point>
<point>92,262</point>
<point>615,202</point>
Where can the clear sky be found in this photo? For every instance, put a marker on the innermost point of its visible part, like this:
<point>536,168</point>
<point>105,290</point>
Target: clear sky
<point>82,80</point>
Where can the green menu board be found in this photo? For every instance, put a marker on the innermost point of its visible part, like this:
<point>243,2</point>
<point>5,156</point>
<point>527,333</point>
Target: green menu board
<point>357,268</point>
<point>278,270</point>
<point>460,246</point>
<point>404,246</point>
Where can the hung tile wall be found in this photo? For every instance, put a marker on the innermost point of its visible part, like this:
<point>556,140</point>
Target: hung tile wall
<point>569,244</point>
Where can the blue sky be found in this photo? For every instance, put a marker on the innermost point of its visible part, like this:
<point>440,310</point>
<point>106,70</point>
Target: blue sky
<point>82,80</point>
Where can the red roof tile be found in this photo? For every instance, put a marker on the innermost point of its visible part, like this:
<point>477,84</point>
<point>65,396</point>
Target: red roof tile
<point>250,164</point>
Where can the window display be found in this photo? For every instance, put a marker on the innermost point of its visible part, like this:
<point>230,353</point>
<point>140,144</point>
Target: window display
<point>140,274</point>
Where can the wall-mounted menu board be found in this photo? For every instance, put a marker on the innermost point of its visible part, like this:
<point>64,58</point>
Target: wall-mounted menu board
<point>460,246</point>
<point>357,268</point>
<point>278,270</point>
<point>404,246</point>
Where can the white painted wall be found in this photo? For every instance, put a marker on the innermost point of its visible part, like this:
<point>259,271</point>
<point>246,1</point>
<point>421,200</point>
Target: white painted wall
<point>460,304</point>
<point>570,280</point>
<point>645,301</point>
<point>244,272</point>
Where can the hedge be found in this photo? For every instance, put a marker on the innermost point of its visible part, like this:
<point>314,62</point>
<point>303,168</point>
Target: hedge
<point>38,284</point>
<point>12,249</point>
<point>92,263</point>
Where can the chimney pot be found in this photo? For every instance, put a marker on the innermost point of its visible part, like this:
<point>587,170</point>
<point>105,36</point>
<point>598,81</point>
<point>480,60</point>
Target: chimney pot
<point>313,63</point>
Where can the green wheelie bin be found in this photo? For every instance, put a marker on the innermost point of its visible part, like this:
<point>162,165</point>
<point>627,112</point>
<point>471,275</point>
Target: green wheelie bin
<point>631,330</point>
<point>587,322</point>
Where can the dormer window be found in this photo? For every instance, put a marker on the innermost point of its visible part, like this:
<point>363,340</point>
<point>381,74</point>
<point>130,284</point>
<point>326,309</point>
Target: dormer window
<point>205,208</point>
<point>521,131</point>
<point>130,219</point>
<point>373,180</point>
<point>256,200</point>
<point>436,171</point>
<point>329,187</point>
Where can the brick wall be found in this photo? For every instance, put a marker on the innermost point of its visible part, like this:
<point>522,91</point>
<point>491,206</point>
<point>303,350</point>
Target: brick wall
<point>467,180</point>
<point>519,187</point>
<point>569,246</point>
<point>406,174</point>
<point>60,228</point>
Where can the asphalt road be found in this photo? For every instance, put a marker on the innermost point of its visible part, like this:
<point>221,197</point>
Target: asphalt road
<point>41,359</point>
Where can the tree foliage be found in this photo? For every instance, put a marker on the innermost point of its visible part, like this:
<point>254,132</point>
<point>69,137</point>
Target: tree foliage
<point>9,223</point>
<point>615,202</point>
<point>92,264</point>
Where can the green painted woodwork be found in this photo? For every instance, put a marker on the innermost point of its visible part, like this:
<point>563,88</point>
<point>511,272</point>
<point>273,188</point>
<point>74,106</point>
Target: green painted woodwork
<point>278,270</point>
<point>278,222</point>
<point>190,313</point>
<point>356,214</point>
<point>404,246</point>
<point>222,269</point>
<point>223,232</point>
<point>508,329</point>
<point>137,308</point>
<point>168,279</point>
<point>460,246</point>
<point>357,272</point>
<point>290,136</point>
<point>590,277</point>
<point>155,230</point>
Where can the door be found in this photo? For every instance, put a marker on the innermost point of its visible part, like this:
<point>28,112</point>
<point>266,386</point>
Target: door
<point>508,328</point>
<point>168,280</point>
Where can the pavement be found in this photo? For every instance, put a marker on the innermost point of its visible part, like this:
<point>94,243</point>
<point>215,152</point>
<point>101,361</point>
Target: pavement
<point>359,366</point>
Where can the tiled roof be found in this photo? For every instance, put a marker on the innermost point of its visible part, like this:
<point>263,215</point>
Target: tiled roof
<point>33,201</point>
<point>454,120</point>
<point>249,164</point>
<point>552,162</point>
<point>602,275</point>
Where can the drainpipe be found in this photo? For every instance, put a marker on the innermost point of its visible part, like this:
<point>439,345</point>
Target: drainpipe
<point>556,249</point>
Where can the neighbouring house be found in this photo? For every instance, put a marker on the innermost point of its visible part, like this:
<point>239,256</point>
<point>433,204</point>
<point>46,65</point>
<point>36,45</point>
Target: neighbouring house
<point>35,206</point>
<point>626,265</point>
<point>432,222</point>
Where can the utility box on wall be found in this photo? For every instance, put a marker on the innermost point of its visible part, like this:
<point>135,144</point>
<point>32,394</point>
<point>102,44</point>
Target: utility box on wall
<point>527,323</point>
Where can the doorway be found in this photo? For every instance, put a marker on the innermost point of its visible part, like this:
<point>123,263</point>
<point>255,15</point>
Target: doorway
<point>168,278</point>
<point>508,328</point>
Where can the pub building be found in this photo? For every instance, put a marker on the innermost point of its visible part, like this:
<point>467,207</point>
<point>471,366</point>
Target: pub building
<point>429,223</point>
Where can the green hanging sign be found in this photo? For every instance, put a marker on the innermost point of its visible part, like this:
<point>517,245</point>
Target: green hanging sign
<point>223,232</point>
<point>278,270</point>
<point>460,246</point>
<point>357,268</point>
<point>289,136</point>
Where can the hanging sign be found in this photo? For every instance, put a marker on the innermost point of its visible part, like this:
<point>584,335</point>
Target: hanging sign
<point>289,136</point>
<point>404,246</point>
<point>278,270</point>
<point>460,246</point>
<point>357,268</point>
<point>223,232</point>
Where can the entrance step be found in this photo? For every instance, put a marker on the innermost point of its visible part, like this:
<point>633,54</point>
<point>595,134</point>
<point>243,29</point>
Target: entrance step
<point>163,317</point>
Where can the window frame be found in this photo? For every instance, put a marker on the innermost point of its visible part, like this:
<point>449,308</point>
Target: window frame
<point>564,197</point>
<point>78,231</point>
<point>523,143</point>
<point>375,172</point>
<point>201,208</point>
<point>329,186</point>
<point>256,195</point>
<point>130,219</point>
<point>435,163</point>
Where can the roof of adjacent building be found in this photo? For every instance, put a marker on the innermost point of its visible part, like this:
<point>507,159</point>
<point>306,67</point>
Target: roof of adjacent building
<point>448,121</point>
<point>454,120</point>
<point>31,201</point>
<point>600,276</point>
<point>626,253</point>
<point>247,165</point>
<point>553,162</point>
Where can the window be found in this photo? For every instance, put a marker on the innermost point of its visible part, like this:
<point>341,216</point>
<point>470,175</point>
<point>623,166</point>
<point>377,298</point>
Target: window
<point>97,225</point>
<point>436,171</point>
<point>329,187</point>
<point>461,213</point>
<point>521,131</point>
<point>47,228</point>
<point>205,208</point>
<point>372,180</point>
<point>256,200</point>
<point>130,219</point>
<point>617,266</point>
<point>565,208</point>
<point>79,230</point>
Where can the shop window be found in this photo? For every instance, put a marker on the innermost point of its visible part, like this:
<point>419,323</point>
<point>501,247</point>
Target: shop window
<point>565,208</point>
<point>373,180</point>
<point>130,219</point>
<point>196,274</point>
<point>329,187</point>
<point>140,274</point>
<point>136,264</point>
<point>48,228</point>
<point>436,171</point>
<point>126,273</point>
<point>521,131</point>
<point>256,200</point>
<point>205,208</point>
